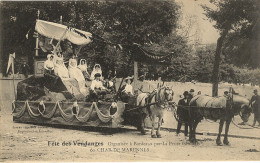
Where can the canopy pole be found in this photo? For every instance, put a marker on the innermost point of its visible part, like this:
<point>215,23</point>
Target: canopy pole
<point>37,37</point>
<point>54,50</point>
<point>76,55</point>
<point>13,76</point>
<point>135,73</point>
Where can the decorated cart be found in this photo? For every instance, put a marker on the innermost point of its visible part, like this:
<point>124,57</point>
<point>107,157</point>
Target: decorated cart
<point>49,100</point>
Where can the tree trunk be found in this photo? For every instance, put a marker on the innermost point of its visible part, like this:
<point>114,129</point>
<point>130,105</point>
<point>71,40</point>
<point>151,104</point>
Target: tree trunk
<point>215,73</point>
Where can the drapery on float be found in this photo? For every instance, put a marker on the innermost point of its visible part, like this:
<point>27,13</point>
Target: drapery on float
<point>64,113</point>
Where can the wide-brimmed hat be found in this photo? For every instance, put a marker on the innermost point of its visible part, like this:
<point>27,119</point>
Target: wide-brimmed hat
<point>129,78</point>
<point>226,92</point>
<point>185,93</point>
<point>97,75</point>
<point>192,90</point>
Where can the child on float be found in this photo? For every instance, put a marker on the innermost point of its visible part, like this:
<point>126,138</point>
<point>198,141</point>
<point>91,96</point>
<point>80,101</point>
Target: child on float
<point>96,69</point>
<point>49,65</point>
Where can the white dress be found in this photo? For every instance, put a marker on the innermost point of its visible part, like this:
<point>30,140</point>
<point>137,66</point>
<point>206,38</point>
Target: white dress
<point>76,73</point>
<point>49,65</point>
<point>128,89</point>
<point>96,84</point>
<point>92,76</point>
<point>62,71</point>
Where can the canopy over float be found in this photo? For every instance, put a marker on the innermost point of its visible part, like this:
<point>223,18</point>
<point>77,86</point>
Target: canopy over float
<point>61,32</point>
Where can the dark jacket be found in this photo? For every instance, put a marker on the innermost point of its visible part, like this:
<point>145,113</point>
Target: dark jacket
<point>255,101</point>
<point>182,111</point>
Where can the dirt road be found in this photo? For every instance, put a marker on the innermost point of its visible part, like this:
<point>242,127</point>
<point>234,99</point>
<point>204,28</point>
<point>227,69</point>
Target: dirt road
<point>30,142</point>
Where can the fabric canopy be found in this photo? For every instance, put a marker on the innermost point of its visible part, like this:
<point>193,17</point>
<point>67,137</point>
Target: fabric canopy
<point>57,31</point>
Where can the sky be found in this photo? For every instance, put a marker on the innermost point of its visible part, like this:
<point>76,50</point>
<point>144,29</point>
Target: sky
<point>201,29</point>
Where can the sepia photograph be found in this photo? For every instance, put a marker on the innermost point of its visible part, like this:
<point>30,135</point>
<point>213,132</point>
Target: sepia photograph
<point>129,80</point>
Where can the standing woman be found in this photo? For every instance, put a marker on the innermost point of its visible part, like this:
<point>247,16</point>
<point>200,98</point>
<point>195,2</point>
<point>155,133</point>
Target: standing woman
<point>96,69</point>
<point>84,69</point>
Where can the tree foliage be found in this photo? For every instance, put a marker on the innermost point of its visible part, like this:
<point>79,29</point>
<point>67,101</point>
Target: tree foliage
<point>119,22</point>
<point>241,18</point>
<point>150,24</point>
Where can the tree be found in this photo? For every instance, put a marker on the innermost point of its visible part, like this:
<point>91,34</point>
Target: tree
<point>118,22</point>
<point>230,15</point>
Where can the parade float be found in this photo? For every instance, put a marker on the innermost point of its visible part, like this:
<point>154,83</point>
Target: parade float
<point>49,100</point>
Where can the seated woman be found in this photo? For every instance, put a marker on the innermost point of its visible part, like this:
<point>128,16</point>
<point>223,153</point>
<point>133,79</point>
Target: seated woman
<point>60,69</point>
<point>76,73</point>
<point>96,69</point>
<point>84,69</point>
<point>127,91</point>
<point>97,89</point>
<point>49,65</point>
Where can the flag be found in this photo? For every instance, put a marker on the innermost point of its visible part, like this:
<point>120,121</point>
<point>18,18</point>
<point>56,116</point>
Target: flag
<point>11,62</point>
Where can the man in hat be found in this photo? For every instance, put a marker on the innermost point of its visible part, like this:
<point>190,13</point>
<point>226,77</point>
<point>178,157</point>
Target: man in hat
<point>255,103</point>
<point>97,87</point>
<point>183,113</point>
<point>226,94</point>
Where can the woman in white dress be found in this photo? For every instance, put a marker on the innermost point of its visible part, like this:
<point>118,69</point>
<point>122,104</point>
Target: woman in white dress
<point>84,69</point>
<point>60,69</point>
<point>96,69</point>
<point>75,72</point>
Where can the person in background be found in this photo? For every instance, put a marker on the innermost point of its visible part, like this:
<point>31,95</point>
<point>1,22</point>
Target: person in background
<point>24,69</point>
<point>225,94</point>
<point>84,69</point>
<point>97,89</point>
<point>255,103</point>
<point>49,65</point>
<point>183,113</point>
<point>199,93</point>
<point>96,69</point>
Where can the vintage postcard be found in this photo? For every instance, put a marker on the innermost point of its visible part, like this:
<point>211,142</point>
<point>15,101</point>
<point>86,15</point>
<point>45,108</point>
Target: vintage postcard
<point>130,81</point>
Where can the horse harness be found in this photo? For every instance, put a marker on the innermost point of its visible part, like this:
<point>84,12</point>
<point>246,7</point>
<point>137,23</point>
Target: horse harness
<point>148,100</point>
